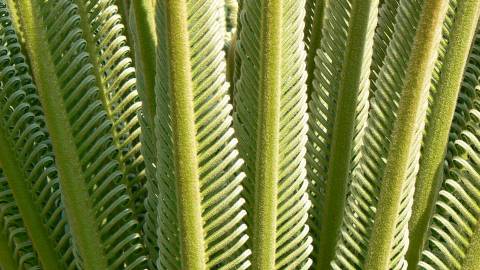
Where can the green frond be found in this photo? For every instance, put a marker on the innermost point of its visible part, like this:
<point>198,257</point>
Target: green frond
<point>147,136</point>
<point>338,114</point>
<point>96,201</point>
<point>286,191</point>
<point>446,34</point>
<point>115,76</point>
<point>370,179</point>
<point>462,22</point>
<point>27,157</point>
<point>160,171</point>
<point>453,242</point>
<point>145,47</point>
<point>16,250</point>
<point>196,195</point>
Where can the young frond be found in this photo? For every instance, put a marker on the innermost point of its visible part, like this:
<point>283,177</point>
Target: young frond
<point>83,135</point>
<point>197,190</point>
<point>338,114</point>
<point>271,123</point>
<point>454,233</point>
<point>26,156</point>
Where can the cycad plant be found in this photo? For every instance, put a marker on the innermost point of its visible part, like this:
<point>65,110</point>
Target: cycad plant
<point>237,134</point>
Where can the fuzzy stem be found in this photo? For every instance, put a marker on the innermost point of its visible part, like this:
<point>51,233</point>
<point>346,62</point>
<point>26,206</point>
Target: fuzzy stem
<point>343,131</point>
<point>268,137</point>
<point>426,187</point>
<point>416,83</point>
<point>184,132</point>
<point>74,190</point>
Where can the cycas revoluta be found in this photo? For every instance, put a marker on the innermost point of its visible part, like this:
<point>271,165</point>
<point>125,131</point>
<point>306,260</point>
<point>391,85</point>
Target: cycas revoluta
<point>236,134</point>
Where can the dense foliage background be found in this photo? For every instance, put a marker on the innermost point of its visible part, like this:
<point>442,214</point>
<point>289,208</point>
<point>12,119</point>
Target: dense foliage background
<point>235,134</point>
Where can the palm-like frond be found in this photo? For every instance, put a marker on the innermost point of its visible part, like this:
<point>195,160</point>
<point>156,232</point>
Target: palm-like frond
<point>447,27</point>
<point>462,22</point>
<point>27,155</point>
<point>368,181</point>
<point>199,204</point>
<point>291,244</point>
<point>323,106</point>
<point>453,241</point>
<point>338,108</point>
<point>80,125</point>
<point>315,13</point>
<point>115,76</point>
<point>144,44</point>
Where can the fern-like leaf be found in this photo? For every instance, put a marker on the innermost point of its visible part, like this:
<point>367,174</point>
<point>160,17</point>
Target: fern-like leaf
<point>383,35</point>
<point>283,185</point>
<point>115,76</point>
<point>368,182</point>
<point>82,133</point>
<point>197,191</point>
<point>27,157</point>
<point>338,107</point>
<point>454,233</point>
<point>447,77</point>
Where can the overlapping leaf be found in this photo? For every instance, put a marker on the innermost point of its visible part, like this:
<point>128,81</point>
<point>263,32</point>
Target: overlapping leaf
<point>34,177</point>
<point>93,131</point>
<point>219,175</point>
<point>293,244</point>
<point>453,241</point>
<point>365,187</point>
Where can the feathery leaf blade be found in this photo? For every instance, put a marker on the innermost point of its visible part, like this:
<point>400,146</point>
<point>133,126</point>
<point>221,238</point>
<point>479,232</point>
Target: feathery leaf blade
<point>338,107</point>
<point>462,21</point>
<point>96,201</point>
<point>367,180</point>
<point>115,76</point>
<point>453,239</point>
<point>29,162</point>
<point>215,172</point>
<point>291,242</point>
<point>383,35</point>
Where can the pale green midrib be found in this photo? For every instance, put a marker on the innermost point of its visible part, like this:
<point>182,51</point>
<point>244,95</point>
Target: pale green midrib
<point>74,190</point>
<point>27,206</point>
<point>343,131</point>
<point>146,39</point>
<point>7,262</point>
<point>101,84</point>
<point>418,75</point>
<point>438,128</point>
<point>315,41</point>
<point>268,137</point>
<point>184,138</point>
